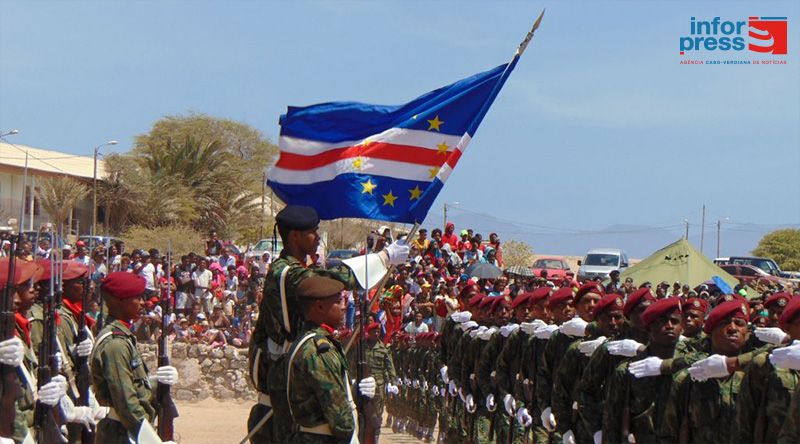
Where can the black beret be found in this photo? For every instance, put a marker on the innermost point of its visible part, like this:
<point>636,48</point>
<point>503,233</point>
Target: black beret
<point>319,287</point>
<point>297,217</point>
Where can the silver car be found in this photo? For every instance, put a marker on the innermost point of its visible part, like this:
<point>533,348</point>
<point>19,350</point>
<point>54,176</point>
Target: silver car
<point>600,262</point>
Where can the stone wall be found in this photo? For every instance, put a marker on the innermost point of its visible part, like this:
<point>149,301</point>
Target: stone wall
<point>219,373</point>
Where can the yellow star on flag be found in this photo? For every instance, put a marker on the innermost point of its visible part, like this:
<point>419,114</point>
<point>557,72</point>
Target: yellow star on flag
<point>368,186</point>
<point>357,163</point>
<point>442,148</point>
<point>415,193</point>
<point>435,123</point>
<point>366,142</point>
<point>434,171</point>
<point>388,199</point>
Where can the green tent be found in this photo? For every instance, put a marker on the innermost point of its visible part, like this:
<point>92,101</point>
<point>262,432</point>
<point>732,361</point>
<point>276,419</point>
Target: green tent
<point>679,261</point>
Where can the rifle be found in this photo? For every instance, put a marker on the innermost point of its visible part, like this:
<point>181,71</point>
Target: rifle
<point>83,378</point>
<point>167,411</point>
<point>44,416</point>
<point>10,389</point>
<point>626,409</point>
<point>362,368</point>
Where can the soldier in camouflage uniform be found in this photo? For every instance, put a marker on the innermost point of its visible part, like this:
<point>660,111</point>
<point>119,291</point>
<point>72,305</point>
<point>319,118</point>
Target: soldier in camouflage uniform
<point>478,419</point>
<point>486,373</point>
<point>694,314</point>
<point>379,360</point>
<point>120,376</point>
<point>696,411</point>
<point>320,399</point>
<point>531,357</point>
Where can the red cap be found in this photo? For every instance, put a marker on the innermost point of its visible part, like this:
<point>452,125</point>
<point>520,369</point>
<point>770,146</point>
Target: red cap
<point>559,296</point>
<point>538,295</point>
<point>697,304</point>
<point>467,292</point>
<point>659,308</point>
<point>520,299</point>
<point>486,301</point>
<point>780,299</point>
<point>637,297</point>
<point>731,297</point>
<point>123,285</point>
<point>46,265</point>
<point>497,302</point>
<point>611,301</point>
<point>373,326</point>
<point>24,271</point>
<point>790,313</point>
<point>735,308</point>
<point>475,301</point>
<point>589,287</point>
<point>74,270</point>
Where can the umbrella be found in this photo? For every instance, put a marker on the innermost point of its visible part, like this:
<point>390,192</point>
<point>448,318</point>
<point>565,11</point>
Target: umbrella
<point>520,270</point>
<point>484,271</point>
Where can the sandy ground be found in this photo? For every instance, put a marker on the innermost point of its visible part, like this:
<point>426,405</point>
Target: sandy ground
<point>212,422</point>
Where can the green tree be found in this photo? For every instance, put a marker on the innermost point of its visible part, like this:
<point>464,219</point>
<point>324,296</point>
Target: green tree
<point>783,246</point>
<point>59,195</point>
<point>517,253</point>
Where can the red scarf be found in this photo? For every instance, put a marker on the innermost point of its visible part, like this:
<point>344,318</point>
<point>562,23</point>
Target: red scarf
<point>328,329</point>
<point>77,308</point>
<point>25,325</point>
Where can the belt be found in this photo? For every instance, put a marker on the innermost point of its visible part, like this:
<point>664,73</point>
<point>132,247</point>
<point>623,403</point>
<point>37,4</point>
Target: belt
<point>322,429</point>
<point>264,399</point>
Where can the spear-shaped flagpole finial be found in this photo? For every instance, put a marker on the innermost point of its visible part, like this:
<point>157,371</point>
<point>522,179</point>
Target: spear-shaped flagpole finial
<point>529,37</point>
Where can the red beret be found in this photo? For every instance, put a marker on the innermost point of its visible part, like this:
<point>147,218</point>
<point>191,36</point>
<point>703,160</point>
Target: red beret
<point>74,270</point>
<point>46,266</point>
<point>486,301</point>
<point>779,299</point>
<point>637,297</point>
<point>737,309</point>
<point>563,294</point>
<point>520,299</point>
<point>589,287</point>
<point>475,301</point>
<point>611,301</point>
<point>24,271</point>
<point>123,285</point>
<point>659,308</point>
<point>790,312</point>
<point>467,292</point>
<point>697,304</point>
<point>373,326</point>
<point>538,295</point>
<point>731,297</point>
<point>497,302</point>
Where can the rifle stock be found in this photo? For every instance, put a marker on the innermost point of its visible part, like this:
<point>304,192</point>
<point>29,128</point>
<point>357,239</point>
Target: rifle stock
<point>45,423</point>
<point>83,378</point>
<point>10,389</point>
<point>167,411</point>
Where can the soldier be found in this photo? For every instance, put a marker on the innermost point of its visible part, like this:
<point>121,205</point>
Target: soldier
<point>320,400</point>
<point>529,413</point>
<point>381,368</point>
<point>634,407</point>
<point>120,376</point>
<point>695,410</point>
<point>766,390</point>
<point>694,313</point>
<point>277,325</point>
<point>608,316</point>
<point>485,368</point>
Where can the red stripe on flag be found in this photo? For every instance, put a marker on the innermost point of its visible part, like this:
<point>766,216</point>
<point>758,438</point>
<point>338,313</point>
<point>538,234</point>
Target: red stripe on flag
<point>375,150</point>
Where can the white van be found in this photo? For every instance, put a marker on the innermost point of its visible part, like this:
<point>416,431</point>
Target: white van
<point>599,262</point>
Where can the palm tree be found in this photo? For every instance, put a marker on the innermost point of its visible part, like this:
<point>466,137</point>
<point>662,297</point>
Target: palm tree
<point>59,195</point>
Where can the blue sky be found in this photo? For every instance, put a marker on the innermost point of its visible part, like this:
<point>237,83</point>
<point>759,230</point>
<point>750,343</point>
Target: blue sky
<point>599,126</point>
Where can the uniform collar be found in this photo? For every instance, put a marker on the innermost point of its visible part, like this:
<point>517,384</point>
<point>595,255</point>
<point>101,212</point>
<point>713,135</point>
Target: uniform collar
<point>24,326</point>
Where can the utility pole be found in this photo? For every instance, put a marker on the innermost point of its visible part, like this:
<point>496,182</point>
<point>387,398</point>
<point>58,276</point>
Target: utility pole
<point>686,222</point>
<point>444,224</point>
<point>703,229</point>
<point>263,198</point>
<point>719,223</point>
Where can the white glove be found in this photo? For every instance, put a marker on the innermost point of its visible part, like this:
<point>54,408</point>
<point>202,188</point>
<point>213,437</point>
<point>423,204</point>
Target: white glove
<point>12,351</point>
<point>100,412</point>
<point>524,418</point>
<point>7,441</point>
<point>509,404</point>
<point>52,392</point>
<point>575,327</point>
<point>470,402</point>
<point>82,415</point>
<point>646,367</point>
<point>408,382</point>
<point>461,396</point>
<point>786,357</point>
<point>490,404</point>
<point>443,372</point>
<point>488,333</point>
<point>598,437</point>
<point>397,252</point>
<point>625,347</point>
<point>713,366</point>
<point>588,347</point>
<point>394,389</point>
<point>461,316</point>
<point>548,420</point>
<point>435,390</point>
<point>415,383</point>
<point>451,387</point>
<point>474,333</point>
<point>530,327</point>
<point>467,325</point>
<point>367,387</point>
<point>508,330</point>
<point>771,335</point>
<point>85,347</point>
<point>545,332</point>
<point>167,375</point>
<point>424,385</point>
<point>568,438</point>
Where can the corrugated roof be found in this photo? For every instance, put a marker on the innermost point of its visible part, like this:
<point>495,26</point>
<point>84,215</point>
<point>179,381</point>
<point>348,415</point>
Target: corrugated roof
<point>50,161</point>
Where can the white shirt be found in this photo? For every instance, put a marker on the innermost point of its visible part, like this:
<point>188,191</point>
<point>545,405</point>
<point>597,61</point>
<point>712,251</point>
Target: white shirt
<point>147,272</point>
<point>202,280</point>
<point>413,330</point>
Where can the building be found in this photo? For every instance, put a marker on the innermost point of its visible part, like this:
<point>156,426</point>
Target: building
<point>40,164</point>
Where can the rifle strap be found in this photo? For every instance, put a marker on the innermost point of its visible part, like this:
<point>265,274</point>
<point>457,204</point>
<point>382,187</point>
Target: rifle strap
<point>284,307</point>
<point>297,346</point>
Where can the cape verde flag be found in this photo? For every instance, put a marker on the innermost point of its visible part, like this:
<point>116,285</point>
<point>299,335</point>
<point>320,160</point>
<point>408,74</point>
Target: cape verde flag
<point>349,159</point>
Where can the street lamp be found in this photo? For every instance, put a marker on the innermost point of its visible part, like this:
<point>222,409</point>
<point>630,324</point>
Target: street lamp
<point>10,133</point>
<point>719,226</point>
<point>444,225</point>
<point>24,180</point>
<point>94,184</point>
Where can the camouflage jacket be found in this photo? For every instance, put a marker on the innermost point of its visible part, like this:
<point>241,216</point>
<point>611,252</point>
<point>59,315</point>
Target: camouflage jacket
<point>486,367</point>
<point>555,349</point>
<point>24,405</point>
<point>565,379</point>
<point>790,432</point>
<point>508,374</point>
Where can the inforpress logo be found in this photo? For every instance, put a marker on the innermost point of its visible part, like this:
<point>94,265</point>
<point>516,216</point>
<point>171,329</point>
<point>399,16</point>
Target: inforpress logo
<point>758,34</point>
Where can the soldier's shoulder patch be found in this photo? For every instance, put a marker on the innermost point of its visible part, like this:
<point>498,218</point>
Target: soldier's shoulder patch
<point>322,344</point>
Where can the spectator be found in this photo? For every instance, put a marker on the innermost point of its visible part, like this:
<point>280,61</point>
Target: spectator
<point>225,260</point>
<point>201,279</point>
<point>449,236</point>
<point>421,242</point>
<point>213,245</point>
<point>418,326</point>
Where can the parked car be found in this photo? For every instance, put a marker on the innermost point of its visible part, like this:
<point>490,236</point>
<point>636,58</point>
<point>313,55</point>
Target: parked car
<point>555,267</point>
<point>764,263</point>
<point>336,257</point>
<point>600,262</point>
<point>749,273</point>
<point>264,246</point>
